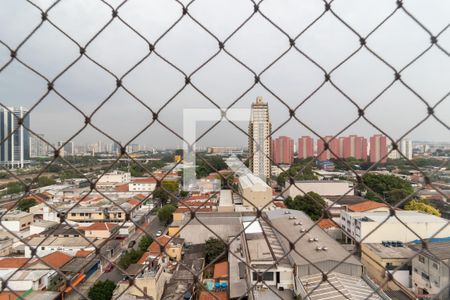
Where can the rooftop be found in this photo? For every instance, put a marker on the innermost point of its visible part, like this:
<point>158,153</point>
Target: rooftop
<point>365,206</point>
<point>56,259</point>
<point>100,226</point>
<point>440,250</point>
<point>310,241</point>
<point>62,241</point>
<point>221,270</point>
<point>390,252</point>
<point>337,287</point>
<point>327,224</point>
<point>13,262</point>
<point>407,216</point>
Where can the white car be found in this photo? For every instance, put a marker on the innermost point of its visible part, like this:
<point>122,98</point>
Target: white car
<point>158,233</point>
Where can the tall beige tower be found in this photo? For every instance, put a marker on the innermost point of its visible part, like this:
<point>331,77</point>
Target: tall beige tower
<point>259,141</point>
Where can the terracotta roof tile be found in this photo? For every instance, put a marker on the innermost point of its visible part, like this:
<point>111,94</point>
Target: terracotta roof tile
<point>221,270</point>
<point>144,180</point>
<point>121,188</point>
<point>154,247</point>
<point>56,259</point>
<point>217,296</point>
<point>83,253</point>
<point>365,206</point>
<point>143,258</point>
<point>13,262</point>
<point>326,224</point>
<point>100,226</point>
<point>134,202</point>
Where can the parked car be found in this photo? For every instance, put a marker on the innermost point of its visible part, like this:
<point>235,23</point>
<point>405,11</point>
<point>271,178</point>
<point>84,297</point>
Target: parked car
<point>131,244</point>
<point>109,268</point>
<point>158,233</point>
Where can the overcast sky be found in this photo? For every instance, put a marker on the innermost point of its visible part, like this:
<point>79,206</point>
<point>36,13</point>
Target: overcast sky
<point>223,80</point>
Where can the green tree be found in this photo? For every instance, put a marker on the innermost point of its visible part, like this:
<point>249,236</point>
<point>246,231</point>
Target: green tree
<point>391,187</point>
<point>167,191</point>
<point>423,207</point>
<point>213,249</point>
<point>165,213</point>
<point>299,171</point>
<point>311,204</point>
<point>130,257</point>
<point>25,204</point>
<point>184,194</point>
<point>145,242</point>
<point>45,181</point>
<point>209,164</point>
<point>102,290</point>
<point>14,188</point>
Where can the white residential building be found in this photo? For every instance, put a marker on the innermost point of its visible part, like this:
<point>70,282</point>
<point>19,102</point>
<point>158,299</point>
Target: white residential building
<point>364,225</point>
<point>142,185</point>
<point>405,147</point>
<point>259,141</point>
<point>68,245</point>
<point>116,177</point>
<point>17,220</point>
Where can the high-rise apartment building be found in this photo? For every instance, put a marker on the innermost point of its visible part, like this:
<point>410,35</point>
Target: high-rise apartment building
<point>38,148</point>
<point>259,141</point>
<point>15,151</point>
<point>333,145</point>
<point>405,147</point>
<point>67,150</point>
<point>378,148</point>
<point>354,146</point>
<point>283,150</point>
<point>305,147</point>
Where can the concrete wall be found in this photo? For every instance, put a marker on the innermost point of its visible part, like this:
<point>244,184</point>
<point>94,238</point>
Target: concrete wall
<point>321,187</point>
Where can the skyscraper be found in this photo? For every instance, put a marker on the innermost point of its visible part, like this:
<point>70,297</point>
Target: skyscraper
<point>15,150</point>
<point>283,150</point>
<point>333,146</point>
<point>259,141</point>
<point>378,148</point>
<point>38,148</point>
<point>67,150</point>
<point>305,147</point>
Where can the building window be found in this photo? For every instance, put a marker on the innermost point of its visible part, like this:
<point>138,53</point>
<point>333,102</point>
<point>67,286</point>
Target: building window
<point>425,276</point>
<point>435,265</point>
<point>421,259</point>
<point>73,214</point>
<point>415,270</point>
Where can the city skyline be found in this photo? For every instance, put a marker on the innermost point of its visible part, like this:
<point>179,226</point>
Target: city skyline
<point>292,79</point>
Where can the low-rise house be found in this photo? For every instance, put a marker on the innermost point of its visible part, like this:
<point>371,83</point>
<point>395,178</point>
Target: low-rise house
<point>54,260</point>
<point>368,206</point>
<point>147,184</point>
<point>13,262</point>
<point>100,230</point>
<point>149,283</point>
<point>69,245</point>
<point>379,259</point>
<point>16,220</point>
<point>360,226</point>
<point>24,280</point>
<point>173,247</point>
<point>6,246</point>
<point>41,226</point>
<point>431,274</point>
